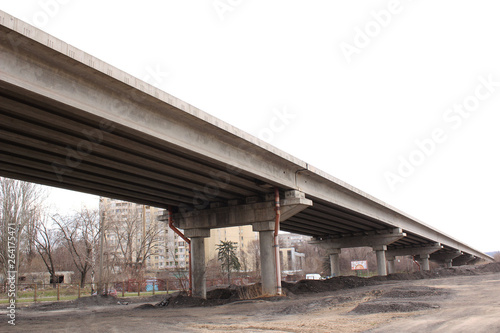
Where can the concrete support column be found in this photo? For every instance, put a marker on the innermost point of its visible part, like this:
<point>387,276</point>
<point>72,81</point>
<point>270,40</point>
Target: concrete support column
<point>198,267</point>
<point>381,263</point>
<point>267,262</point>
<point>448,263</point>
<point>391,269</point>
<point>198,260</point>
<point>425,262</point>
<point>334,262</point>
<point>267,257</point>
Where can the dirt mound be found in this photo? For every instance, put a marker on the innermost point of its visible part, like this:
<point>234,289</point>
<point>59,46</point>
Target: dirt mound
<point>332,284</point>
<point>396,300</point>
<point>414,292</point>
<point>183,301</point>
<point>222,293</point>
<point>314,305</point>
<point>383,307</point>
<point>493,267</point>
<point>79,303</point>
<point>348,282</point>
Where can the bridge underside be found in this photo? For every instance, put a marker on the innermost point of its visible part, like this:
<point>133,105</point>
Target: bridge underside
<point>47,142</point>
<point>69,120</point>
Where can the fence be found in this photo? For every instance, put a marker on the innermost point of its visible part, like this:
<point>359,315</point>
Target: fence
<point>33,292</point>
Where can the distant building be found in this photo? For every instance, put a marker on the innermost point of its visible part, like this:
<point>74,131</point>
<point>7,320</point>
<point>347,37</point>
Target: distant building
<point>132,230</point>
<point>126,221</point>
<point>62,277</point>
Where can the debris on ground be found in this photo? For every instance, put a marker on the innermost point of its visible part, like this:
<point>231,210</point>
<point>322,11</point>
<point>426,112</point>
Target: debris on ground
<point>396,300</point>
<point>230,294</point>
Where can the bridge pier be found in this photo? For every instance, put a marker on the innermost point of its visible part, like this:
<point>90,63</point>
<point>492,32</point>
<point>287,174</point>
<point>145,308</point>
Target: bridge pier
<point>198,260</point>
<point>464,259</point>
<point>260,214</point>
<point>391,265</point>
<point>381,262</point>
<point>378,241</point>
<point>423,252</point>
<point>446,258</point>
<point>267,260</point>
<point>424,258</point>
<point>334,261</point>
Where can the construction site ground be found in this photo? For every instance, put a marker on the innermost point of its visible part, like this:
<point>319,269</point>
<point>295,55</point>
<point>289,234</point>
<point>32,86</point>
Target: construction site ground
<point>462,299</point>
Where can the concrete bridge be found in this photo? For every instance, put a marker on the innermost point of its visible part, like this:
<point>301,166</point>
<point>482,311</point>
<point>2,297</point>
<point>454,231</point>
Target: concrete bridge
<point>69,120</point>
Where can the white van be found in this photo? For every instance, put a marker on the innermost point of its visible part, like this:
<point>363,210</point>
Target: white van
<point>313,277</point>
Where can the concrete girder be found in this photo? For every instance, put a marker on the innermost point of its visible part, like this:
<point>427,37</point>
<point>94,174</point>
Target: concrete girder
<point>245,214</point>
<point>442,256</point>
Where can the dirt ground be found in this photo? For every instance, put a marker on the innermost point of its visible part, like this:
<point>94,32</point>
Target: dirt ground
<point>449,300</point>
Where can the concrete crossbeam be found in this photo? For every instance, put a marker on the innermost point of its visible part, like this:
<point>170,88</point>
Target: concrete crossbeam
<point>195,233</point>
<point>360,241</point>
<point>413,251</point>
<point>442,256</point>
<point>245,214</point>
<point>446,258</point>
<point>464,259</point>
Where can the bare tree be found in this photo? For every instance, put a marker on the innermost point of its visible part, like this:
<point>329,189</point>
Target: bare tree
<point>254,251</point>
<point>46,243</point>
<point>19,204</point>
<point>81,236</point>
<point>131,237</point>
<point>314,258</point>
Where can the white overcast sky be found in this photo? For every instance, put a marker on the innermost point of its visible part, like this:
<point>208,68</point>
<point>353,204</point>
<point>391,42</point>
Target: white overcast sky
<point>361,82</point>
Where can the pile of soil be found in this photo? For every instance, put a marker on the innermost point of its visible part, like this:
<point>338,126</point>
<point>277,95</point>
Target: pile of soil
<point>332,284</point>
<point>396,300</point>
<point>222,296</point>
<point>218,296</point>
<point>379,307</point>
<point>414,292</point>
<point>348,282</point>
<point>81,302</point>
<point>233,293</point>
